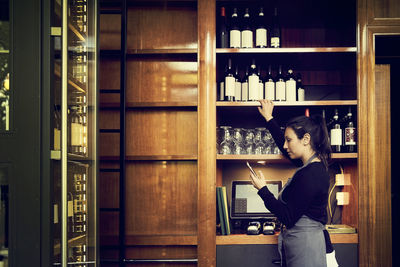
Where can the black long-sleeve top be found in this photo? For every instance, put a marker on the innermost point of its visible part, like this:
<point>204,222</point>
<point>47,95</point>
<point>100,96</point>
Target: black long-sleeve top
<point>307,194</point>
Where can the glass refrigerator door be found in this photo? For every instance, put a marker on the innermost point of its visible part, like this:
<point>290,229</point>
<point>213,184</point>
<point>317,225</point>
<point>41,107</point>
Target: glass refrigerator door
<point>74,145</point>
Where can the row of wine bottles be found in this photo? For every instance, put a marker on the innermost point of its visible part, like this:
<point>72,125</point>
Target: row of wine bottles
<point>253,86</point>
<point>78,14</point>
<point>342,132</point>
<point>248,31</point>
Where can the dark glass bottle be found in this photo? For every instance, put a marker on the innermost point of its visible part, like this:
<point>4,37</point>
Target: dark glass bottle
<point>280,86</point>
<point>229,82</point>
<point>350,144</point>
<point>261,30</point>
<point>336,133</point>
<point>222,30</point>
<point>269,87</point>
<point>275,30</point>
<point>247,31</point>
<point>234,31</point>
<point>253,82</point>
<point>238,85</point>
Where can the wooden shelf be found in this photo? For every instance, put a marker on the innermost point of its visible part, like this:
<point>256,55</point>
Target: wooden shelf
<point>161,240</point>
<point>289,103</point>
<point>243,239</point>
<point>162,51</point>
<point>288,50</point>
<point>150,157</point>
<point>278,158</point>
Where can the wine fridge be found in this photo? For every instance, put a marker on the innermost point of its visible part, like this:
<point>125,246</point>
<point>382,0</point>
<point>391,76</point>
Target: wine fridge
<point>74,132</point>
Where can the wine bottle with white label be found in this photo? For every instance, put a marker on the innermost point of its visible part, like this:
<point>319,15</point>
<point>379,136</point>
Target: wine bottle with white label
<point>254,80</point>
<point>234,32</point>
<point>269,88</point>
<point>301,93</point>
<point>280,86</point>
<point>350,134</point>
<point>229,82</point>
<point>245,85</point>
<point>336,133</point>
<point>261,30</point>
<point>275,30</point>
<point>290,86</point>
<point>260,84</point>
<point>238,85</point>
<point>247,32</point>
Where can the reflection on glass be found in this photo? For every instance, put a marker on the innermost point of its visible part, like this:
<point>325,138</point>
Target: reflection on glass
<point>4,215</point>
<point>4,69</point>
<point>74,183</point>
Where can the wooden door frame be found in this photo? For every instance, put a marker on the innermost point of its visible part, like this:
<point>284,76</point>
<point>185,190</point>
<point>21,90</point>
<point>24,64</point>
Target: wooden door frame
<point>369,165</point>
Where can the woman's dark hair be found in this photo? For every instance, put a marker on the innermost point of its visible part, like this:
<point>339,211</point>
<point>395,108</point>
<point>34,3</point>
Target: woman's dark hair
<point>315,126</point>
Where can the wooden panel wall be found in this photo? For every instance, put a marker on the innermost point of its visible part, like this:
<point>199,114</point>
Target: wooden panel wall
<point>162,27</point>
<point>171,79</point>
<point>383,12</point>
<point>161,132</point>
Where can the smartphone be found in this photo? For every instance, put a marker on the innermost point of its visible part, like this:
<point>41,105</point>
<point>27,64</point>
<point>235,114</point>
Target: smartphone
<point>251,169</point>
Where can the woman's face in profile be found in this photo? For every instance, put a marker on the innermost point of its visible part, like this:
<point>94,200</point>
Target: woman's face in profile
<point>293,145</point>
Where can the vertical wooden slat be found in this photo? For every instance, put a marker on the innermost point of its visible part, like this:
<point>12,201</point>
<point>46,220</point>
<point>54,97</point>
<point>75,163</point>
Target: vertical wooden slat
<point>206,134</point>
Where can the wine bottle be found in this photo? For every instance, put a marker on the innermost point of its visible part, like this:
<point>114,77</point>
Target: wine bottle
<point>221,96</point>
<point>253,82</point>
<point>275,31</point>
<point>234,32</point>
<point>238,85</point>
<point>280,86</point>
<point>229,82</point>
<point>300,89</point>
<point>245,85</point>
<point>336,133</point>
<point>247,32</point>
<point>260,84</point>
<point>222,29</point>
<point>350,134</point>
<point>269,85</point>
<point>261,30</point>
<point>290,86</point>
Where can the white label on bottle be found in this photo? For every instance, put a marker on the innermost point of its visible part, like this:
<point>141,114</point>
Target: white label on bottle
<point>280,91</point>
<point>290,90</point>
<point>245,91</point>
<point>221,91</point>
<point>76,134</point>
<point>261,38</point>
<point>55,211</point>
<point>253,87</point>
<point>57,139</point>
<point>270,90</point>
<point>336,137</point>
<point>234,37</point>
<point>275,41</point>
<point>230,86</point>
<point>70,208</point>
<point>301,94</point>
<point>350,136</point>
<point>260,90</point>
<point>238,91</point>
<point>247,39</point>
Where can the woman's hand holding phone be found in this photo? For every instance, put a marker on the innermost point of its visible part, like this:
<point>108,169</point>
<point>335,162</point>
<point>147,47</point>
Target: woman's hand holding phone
<point>258,181</point>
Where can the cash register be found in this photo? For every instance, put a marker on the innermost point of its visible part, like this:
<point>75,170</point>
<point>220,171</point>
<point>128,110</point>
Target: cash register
<point>248,212</point>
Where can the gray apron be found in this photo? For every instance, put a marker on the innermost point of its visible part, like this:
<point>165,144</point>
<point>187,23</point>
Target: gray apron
<point>304,243</point>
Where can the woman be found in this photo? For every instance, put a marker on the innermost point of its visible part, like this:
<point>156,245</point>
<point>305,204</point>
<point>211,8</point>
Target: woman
<point>301,205</point>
